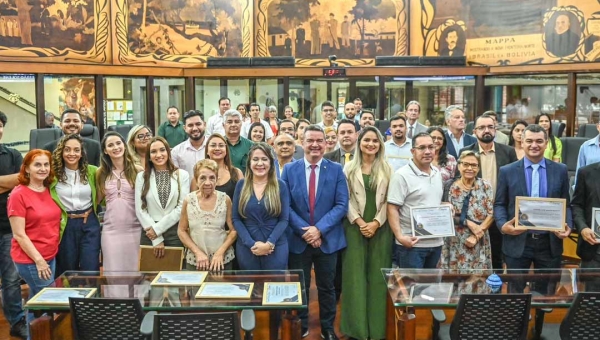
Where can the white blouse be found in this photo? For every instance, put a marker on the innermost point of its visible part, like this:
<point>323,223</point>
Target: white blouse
<point>73,194</point>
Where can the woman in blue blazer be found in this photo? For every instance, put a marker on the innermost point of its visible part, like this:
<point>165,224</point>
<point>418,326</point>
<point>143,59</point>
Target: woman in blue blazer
<point>260,213</point>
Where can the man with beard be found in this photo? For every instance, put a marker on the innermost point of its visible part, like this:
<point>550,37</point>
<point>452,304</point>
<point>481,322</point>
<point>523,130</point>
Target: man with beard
<point>367,119</point>
<point>346,134</point>
<point>397,149</point>
<point>287,127</point>
<point>350,113</point>
<point>187,154</point>
<point>493,155</point>
<point>358,107</point>
<point>71,122</point>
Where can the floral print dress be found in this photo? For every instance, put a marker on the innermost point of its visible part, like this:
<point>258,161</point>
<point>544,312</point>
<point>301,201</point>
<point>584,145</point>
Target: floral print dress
<point>449,169</point>
<point>455,254</point>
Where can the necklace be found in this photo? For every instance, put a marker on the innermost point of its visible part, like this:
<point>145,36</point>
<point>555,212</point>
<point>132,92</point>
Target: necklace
<point>468,187</point>
<point>265,182</point>
<point>37,188</point>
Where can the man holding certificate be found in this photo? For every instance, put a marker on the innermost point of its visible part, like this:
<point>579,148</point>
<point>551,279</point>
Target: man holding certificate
<point>417,185</point>
<point>533,176</point>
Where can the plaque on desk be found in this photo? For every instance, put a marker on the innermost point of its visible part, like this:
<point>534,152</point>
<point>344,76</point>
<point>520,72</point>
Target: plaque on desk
<point>596,223</point>
<point>225,290</point>
<point>183,278</point>
<point>434,293</point>
<point>540,213</point>
<point>59,296</point>
<point>282,293</point>
<point>432,222</point>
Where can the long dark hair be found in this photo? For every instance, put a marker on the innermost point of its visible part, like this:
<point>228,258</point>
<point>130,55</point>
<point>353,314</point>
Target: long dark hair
<point>256,125</point>
<point>227,160</point>
<point>58,164</point>
<point>443,155</point>
<point>550,135</point>
<point>511,140</point>
<point>104,172</point>
<point>150,167</point>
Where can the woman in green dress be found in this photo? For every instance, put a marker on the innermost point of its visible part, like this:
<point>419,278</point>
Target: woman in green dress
<point>369,239</point>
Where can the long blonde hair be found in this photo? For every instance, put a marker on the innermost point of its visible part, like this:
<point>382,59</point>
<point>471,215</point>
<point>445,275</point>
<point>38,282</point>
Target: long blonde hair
<point>131,143</point>
<point>380,170</point>
<point>272,199</point>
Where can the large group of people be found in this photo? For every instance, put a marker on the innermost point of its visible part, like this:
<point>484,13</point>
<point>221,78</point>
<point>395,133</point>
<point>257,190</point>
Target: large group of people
<point>241,192</point>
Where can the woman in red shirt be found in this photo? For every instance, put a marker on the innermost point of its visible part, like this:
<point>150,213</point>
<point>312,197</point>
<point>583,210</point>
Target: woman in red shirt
<point>35,223</point>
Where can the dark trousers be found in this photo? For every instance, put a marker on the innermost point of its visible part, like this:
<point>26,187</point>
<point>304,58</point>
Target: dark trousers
<point>79,247</point>
<point>324,265</point>
<point>537,251</point>
<point>496,246</point>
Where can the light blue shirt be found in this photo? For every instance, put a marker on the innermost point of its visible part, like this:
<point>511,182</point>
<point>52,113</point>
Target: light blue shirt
<point>398,155</point>
<point>458,144</point>
<point>307,170</point>
<point>589,153</point>
<point>542,172</point>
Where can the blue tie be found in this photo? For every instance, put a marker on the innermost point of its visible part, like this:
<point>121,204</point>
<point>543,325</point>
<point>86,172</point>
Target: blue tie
<point>535,180</point>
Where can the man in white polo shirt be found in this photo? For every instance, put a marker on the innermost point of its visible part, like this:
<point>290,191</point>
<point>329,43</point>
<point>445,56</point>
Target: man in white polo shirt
<point>417,184</point>
<point>187,154</point>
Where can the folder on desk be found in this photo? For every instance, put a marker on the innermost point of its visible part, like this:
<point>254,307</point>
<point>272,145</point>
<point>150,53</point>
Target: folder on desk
<point>173,259</point>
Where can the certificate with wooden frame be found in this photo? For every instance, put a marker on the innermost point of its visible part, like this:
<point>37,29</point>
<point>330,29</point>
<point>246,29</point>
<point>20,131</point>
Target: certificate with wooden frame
<point>59,296</point>
<point>596,223</point>
<point>540,213</point>
<point>282,293</point>
<point>225,290</point>
<point>432,222</point>
<point>179,278</point>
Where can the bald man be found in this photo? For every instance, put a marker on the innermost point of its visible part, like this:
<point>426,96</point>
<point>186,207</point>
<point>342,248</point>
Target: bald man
<point>285,145</point>
<point>562,41</point>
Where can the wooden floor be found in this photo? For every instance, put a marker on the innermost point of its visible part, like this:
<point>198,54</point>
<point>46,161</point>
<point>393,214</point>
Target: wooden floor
<point>423,323</point>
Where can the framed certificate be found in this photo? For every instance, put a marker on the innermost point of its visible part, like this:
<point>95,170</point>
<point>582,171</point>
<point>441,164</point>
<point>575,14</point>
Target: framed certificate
<point>596,223</point>
<point>59,296</point>
<point>225,290</point>
<point>540,213</point>
<point>430,222</point>
<point>282,293</point>
<point>184,278</point>
<point>434,293</point>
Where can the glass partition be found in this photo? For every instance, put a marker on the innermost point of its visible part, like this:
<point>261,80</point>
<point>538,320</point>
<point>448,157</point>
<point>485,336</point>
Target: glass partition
<point>367,89</point>
<point>526,96</point>
<point>208,92</point>
<point>269,92</point>
<point>171,92</point>
<point>125,101</point>
<point>587,104</point>
<point>17,101</point>
<point>63,92</point>
<point>238,90</point>
<point>395,97</point>
<point>435,94</point>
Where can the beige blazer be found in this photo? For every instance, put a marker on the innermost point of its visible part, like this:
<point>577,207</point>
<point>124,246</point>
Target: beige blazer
<point>357,201</point>
<point>155,216</point>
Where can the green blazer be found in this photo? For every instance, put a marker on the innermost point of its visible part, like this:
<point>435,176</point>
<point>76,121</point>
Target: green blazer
<point>91,174</point>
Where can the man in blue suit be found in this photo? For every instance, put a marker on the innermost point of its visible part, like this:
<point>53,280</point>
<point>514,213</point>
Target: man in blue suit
<point>319,202</point>
<point>456,137</point>
<point>532,176</point>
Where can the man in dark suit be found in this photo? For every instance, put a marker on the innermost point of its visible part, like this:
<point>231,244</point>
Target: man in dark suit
<point>585,198</point>
<point>532,176</point>
<point>71,122</point>
<point>456,137</point>
<point>315,232</point>
<point>346,135</point>
<point>493,156</point>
